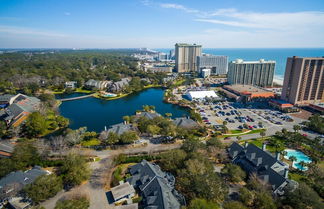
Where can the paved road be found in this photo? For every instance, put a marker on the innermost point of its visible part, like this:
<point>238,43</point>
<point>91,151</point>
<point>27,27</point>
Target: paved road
<point>95,187</point>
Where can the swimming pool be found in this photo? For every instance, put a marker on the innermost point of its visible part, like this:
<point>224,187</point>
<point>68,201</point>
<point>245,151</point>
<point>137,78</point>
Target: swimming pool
<point>300,157</point>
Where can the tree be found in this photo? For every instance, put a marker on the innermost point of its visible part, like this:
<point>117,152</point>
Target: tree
<point>234,172</point>
<point>246,196</point>
<point>169,115</point>
<point>73,203</point>
<point>198,180</point>
<point>234,205</point>
<point>264,200</point>
<point>191,145</point>
<point>35,125</point>
<point>128,137</point>
<point>292,158</point>
<point>260,123</point>
<point>303,197</point>
<point>126,118</point>
<point>263,133</point>
<point>44,187</point>
<point>224,123</point>
<point>173,160</point>
<point>195,116</point>
<point>62,122</point>
<point>153,129</point>
<point>199,203</point>
<point>296,128</point>
<point>3,128</point>
<point>215,142</point>
<point>113,138</point>
<point>75,170</point>
<point>24,155</point>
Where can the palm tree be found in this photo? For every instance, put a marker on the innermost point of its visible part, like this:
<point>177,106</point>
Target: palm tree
<point>238,138</point>
<point>263,133</point>
<point>296,128</point>
<point>169,115</point>
<point>224,123</point>
<point>302,164</point>
<point>292,159</point>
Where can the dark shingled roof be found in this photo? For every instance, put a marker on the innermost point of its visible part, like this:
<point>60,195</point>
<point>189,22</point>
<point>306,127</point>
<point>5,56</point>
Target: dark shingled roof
<point>120,128</point>
<point>185,122</point>
<point>22,178</point>
<point>156,186</point>
<point>255,160</point>
<point>148,115</point>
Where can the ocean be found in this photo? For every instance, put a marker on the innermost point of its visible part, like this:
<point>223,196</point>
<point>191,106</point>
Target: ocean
<point>278,55</point>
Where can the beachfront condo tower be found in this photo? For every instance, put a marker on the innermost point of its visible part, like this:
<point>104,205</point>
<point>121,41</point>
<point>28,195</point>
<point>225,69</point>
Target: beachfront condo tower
<point>186,57</point>
<point>257,73</point>
<point>304,80</point>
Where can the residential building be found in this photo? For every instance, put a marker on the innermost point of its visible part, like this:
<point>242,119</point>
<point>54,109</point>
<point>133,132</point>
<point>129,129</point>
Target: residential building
<point>14,182</point>
<point>205,73</point>
<point>266,167</point>
<point>155,186</point>
<point>121,128</point>
<point>186,57</point>
<point>148,115</point>
<point>20,106</point>
<point>184,122</point>
<point>246,93</point>
<point>194,95</point>
<point>122,192</point>
<point>119,85</point>
<point>6,148</point>
<point>259,73</point>
<point>158,68</point>
<point>97,84</point>
<point>304,80</point>
<point>70,84</point>
<point>217,64</point>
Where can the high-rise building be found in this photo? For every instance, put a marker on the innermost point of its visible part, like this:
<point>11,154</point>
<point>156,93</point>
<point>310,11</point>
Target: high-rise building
<point>186,57</point>
<point>217,64</point>
<point>258,73</point>
<point>172,54</point>
<point>304,80</point>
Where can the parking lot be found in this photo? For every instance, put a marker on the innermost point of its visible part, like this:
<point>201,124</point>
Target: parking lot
<point>238,116</point>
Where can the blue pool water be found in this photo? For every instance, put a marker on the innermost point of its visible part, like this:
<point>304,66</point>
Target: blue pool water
<point>300,157</point>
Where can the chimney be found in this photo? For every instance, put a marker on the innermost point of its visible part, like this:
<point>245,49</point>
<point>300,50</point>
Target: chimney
<point>246,144</point>
<point>286,173</point>
<point>125,122</point>
<point>105,128</point>
<point>264,146</point>
<point>277,155</point>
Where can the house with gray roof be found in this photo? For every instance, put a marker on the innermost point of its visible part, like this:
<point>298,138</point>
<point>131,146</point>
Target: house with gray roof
<point>14,182</point>
<point>263,164</point>
<point>97,84</point>
<point>122,192</point>
<point>155,186</point>
<point>19,109</point>
<point>185,122</point>
<point>148,115</point>
<point>121,128</point>
<point>6,148</point>
<point>118,86</point>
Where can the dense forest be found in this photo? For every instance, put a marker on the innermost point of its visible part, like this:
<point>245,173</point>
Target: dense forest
<point>32,70</point>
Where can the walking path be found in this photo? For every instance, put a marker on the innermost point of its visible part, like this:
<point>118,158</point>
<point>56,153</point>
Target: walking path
<point>75,98</point>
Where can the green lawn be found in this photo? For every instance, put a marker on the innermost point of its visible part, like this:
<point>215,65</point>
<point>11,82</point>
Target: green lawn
<point>92,142</point>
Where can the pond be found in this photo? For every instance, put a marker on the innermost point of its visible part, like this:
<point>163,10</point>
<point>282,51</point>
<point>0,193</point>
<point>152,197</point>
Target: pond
<point>300,157</point>
<point>95,113</point>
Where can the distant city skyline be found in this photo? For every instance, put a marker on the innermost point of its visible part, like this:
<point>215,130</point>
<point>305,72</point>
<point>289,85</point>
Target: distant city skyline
<point>161,23</point>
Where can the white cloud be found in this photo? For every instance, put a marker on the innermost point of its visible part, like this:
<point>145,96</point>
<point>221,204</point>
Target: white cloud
<point>180,7</point>
<point>29,31</point>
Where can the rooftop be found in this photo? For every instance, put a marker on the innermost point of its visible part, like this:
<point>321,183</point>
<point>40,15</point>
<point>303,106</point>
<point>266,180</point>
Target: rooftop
<point>241,61</point>
<point>122,190</point>
<point>189,45</point>
<point>246,89</point>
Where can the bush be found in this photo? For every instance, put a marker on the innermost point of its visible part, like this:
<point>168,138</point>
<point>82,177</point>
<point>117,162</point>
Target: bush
<point>44,187</point>
<point>75,203</point>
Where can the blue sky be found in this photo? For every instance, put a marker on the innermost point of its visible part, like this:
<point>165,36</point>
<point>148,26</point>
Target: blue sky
<point>161,23</point>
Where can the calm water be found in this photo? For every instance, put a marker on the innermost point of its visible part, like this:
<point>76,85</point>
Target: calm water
<point>299,156</point>
<point>96,113</point>
<point>279,55</point>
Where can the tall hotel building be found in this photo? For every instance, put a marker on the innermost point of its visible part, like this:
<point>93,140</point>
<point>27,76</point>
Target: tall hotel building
<point>258,73</point>
<point>186,57</point>
<point>304,80</point>
<point>217,64</point>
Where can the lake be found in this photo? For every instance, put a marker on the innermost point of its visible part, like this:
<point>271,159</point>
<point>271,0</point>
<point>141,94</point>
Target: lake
<point>95,113</point>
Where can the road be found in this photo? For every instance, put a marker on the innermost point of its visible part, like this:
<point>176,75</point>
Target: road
<point>101,172</point>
